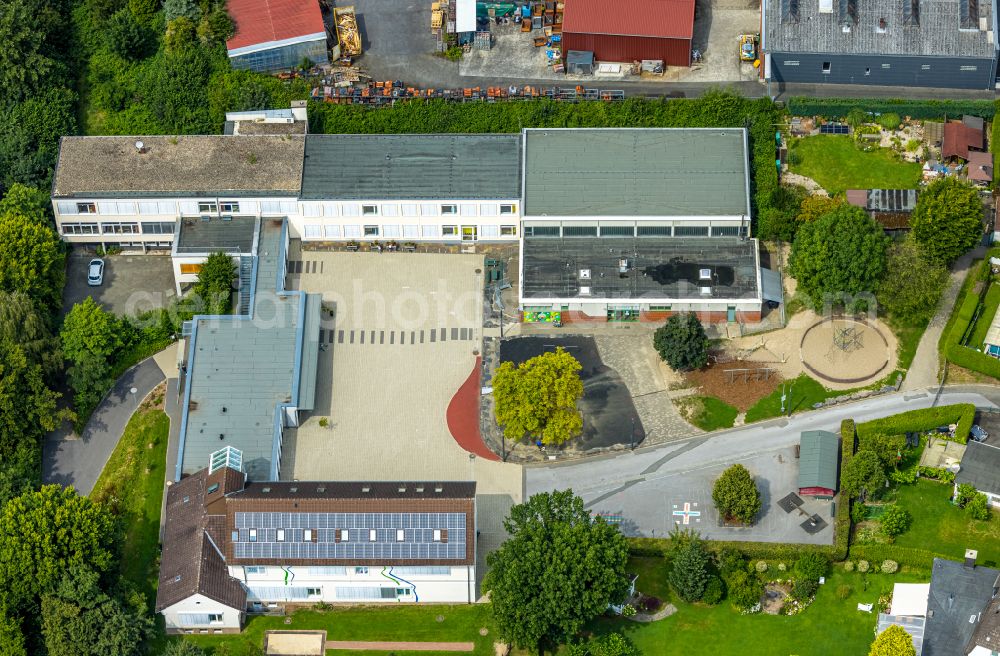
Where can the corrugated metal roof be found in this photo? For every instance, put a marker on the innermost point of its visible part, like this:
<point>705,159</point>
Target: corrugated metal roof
<point>412,166</point>
<point>653,18</point>
<point>818,457</point>
<point>959,138</point>
<point>635,172</point>
<point>261,21</point>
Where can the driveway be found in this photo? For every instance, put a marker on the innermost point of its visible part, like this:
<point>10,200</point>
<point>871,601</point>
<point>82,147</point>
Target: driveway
<point>132,283</point>
<point>643,486</point>
<point>68,460</point>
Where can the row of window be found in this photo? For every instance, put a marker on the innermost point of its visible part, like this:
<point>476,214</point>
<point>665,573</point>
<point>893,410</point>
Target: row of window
<point>126,208</point>
<point>419,570</point>
<point>340,535</point>
<point>119,228</point>
<point>827,67</point>
<point>337,231</point>
<point>633,231</point>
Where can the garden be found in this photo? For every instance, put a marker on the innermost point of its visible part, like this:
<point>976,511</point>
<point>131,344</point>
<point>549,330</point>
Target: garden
<point>838,164</point>
<point>962,339</point>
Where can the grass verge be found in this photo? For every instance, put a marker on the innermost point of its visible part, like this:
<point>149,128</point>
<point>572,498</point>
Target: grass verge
<point>707,412</point>
<point>838,165</point>
<point>985,318</point>
<point>801,394</point>
<point>132,485</point>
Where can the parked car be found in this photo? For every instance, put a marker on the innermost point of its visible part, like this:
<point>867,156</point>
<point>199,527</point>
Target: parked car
<point>978,433</point>
<point>95,272</point>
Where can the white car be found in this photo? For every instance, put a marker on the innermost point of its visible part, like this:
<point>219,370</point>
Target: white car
<point>95,272</point>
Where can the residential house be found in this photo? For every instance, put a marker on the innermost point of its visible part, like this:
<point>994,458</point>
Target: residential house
<point>961,138</point>
<point>980,468</point>
<point>908,610</point>
<point>819,461</point>
<point>961,605</point>
<point>980,169</point>
<point>903,43</point>
<point>233,546</point>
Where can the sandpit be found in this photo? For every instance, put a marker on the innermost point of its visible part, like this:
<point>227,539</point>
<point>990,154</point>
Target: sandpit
<point>846,351</point>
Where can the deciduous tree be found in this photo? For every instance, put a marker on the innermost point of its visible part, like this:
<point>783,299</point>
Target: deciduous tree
<point>539,398</point>
<point>11,636</point>
<point>215,282</point>
<point>913,283</point>
<point>682,342</point>
<point>863,473</point>
<point>979,507</point>
<point>841,252</point>
<point>745,589</point>
<point>559,569</point>
<point>90,329</point>
<point>31,259</point>
<point>127,36</point>
<point>948,219</point>
<point>888,448</point>
<point>816,205</point>
<point>736,495</point>
<point>894,521</point>
<point>894,641</point>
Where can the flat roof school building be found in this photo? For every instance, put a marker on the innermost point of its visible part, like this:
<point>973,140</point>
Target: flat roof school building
<point>614,224</point>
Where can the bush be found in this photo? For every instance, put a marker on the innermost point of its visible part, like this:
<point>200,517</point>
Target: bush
<point>811,566</point>
<point>936,473</point>
<point>804,589</point>
<point>978,507</point>
<point>848,566</point>
<point>745,590</point>
<point>859,513</point>
<point>843,591</point>
<point>729,561</point>
<point>782,567</point>
<point>908,556</point>
<point>965,494</point>
<point>889,566</point>
<point>682,343</point>
<point>895,520</point>
<point>651,604</point>
<point>628,610</point>
<point>889,120</point>
<point>713,591</point>
<point>863,566</point>
<point>760,566</point>
<point>922,109</point>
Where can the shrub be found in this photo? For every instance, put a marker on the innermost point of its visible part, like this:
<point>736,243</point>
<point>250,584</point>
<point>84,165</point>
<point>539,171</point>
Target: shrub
<point>843,591</point>
<point>863,566</point>
<point>628,610</point>
<point>689,571</point>
<point>979,507</point>
<point>651,604</point>
<point>811,567</point>
<point>848,565</point>
<point>682,343</point>
<point>859,513</point>
<point>889,566</point>
<point>760,566</point>
<point>736,495</point>
<point>922,109</point>
<point>964,494</point>
<point>745,590</point>
<point>962,414</point>
<point>713,591</point>
<point>895,520</point>
<point>729,561</point>
<point>889,120</point>
<point>804,589</point>
<point>782,567</point>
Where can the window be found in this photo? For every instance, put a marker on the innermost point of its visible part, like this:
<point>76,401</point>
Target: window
<point>190,269</point>
<point>371,231</point>
<point>352,231</point>
<point>331,231</point>
<point>654,231</point>
<point>725,231</point>
<point>468,209</point>
<point>390,210</point>
<point>487,209</point>
<point>925,67</point>
<point>369,210</point>
<point>255,569</point>
<point>400,535</point>
<point>433,570</point>
<point>704,274</point>
<point>350,209</point>
<point>331,209</point>
<point>426,209</point>
<point>793,62</point>
<point>489,231</point>
<point>372,535</point>
<point>579,231</point>
<point>229,206</point>
<point>541,231</point>
<point>508,231</point>
<point>157,227</point>
<point>886,65</point>
<point>966,68</point>
<point>360,571</point>
<point>617,231</point>
<point>411,231</point>
<point>659,308</point>
<point>449,231</point>
<point>208,207</point>
<point>166,207</point>
<point>281,535</point>
<point>314,592</point>
<point>214,617</point>
<point>120,228</point>
<point>429,231</point>
<point>691,231</point>
<point>344,535</point>
<point>313,231</point>
<point>449,209</point>
<point>214,487</point>
<point>312,209</point>
<point>236,536</point>
<point>327,571</point>
<point>79,229</point>
<point>307,535</point>
<point>86,208</point>
<point>253,535</point>
<point>409,209</point>
<point>506,209</point>
<point>437,535</point>
<point>826,67</point>
<point>868,71</point>
<point>390,231</point>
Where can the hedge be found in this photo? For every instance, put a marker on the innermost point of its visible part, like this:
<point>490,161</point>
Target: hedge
<point>775,551</point>
<point>842,522</point>
<point>962,414</point>
<point>995,139</point>
<point>954,351</point>
<point>922,109</point>
<point>876,553</point>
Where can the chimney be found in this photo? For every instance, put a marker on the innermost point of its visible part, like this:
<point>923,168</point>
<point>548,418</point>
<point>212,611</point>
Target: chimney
<point>970,558</point>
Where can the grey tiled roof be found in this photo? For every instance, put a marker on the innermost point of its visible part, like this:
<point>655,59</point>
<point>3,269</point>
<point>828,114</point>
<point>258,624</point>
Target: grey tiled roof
<point>981,467</point>
<point>203,165</point>
<point>412,166</point>
<point>635,172</point>
<point>957,595</point>
<point>936,31</point>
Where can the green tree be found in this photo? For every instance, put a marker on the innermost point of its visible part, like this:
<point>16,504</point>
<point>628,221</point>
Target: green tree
<point>215,282</point>
<point>842,252</point>
<point>538,398</point>
<point>127,37</point>
<point>222,26</point>
<point>948,219</point>
<point>888,448</point>
<point>979,507</point>
<point>689,569</point>
<point>682,343</point>
<point>558,570</point>
<point>29,136</point>
<point>184,648</point>
<point>44,534</point>
<point>913,283</point>
<point>88,377</point>
<point>20,471</point>
<point>736,495</point>
<point>11,636</point>
<point>856,118</point>
<point>964,494</point>
<point>26,200</point>
<point>863,473</point>
<point>816,205</point>
<point>21,322</point>
<point>90,329</point>
<point>26,64</point>
<point>745,589</point>
<point>181,35</point>
<point>31,259</point>
<point>889,121</point>
<point>27,404</point>
<point>894,641</point>
<point>811,566</point>
<point>173,9</point>
<point>175,84</point>
<point>894,521</point>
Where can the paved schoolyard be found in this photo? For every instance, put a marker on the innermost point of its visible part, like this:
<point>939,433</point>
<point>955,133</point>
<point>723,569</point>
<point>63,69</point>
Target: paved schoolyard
<point>132,283</point>
<point>404,337</point>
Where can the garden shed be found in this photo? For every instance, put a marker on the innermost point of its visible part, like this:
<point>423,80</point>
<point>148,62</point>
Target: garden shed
<point>819,458</point>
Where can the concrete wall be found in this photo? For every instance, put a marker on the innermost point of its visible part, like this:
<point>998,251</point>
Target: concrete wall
<point>202,605</point>
<point>881,70</point>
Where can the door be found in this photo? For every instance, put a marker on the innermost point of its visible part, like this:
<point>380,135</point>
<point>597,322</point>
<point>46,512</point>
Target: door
<point>469,233</point>
<point>731,313</point>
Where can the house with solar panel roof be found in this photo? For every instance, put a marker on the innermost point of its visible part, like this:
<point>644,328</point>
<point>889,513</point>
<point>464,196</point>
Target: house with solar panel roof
<point>232,545</point>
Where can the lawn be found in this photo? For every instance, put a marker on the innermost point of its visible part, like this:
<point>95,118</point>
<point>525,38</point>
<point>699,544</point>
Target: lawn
<point>838,165</point>
<point>132,484</point>
<point>985,318</point>
<point>830,626</point>
<point>707,412</point>
<point>801,394</point>
<point>940,527</point>
<point>460,623</point>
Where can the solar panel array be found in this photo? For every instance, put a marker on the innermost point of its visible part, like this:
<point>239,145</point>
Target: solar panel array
<point>834,128</point>
<point>418,536</point>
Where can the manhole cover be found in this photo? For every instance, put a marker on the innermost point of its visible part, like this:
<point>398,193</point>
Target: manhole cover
<point>439,618</point>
